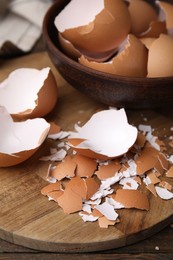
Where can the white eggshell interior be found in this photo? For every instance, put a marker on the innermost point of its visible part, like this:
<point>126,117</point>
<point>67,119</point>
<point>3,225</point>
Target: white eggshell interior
<point>75,14</point>
<point>107,132</point>
<point>20,136</point>
<point>18,92</point>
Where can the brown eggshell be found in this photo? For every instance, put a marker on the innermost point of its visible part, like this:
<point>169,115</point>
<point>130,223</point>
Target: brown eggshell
<point>75,54</point>
<point>102,34</point>
<point>142,14</point>
<point>85,167</point>
<point>131,61</point>
<point>19,93</point>
<point>47,98</point>
<point>132,199</point>
<point>73,142</point>
<point>160,57</point>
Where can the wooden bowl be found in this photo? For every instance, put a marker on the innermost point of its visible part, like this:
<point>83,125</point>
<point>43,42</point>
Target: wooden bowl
<point>118,91</point>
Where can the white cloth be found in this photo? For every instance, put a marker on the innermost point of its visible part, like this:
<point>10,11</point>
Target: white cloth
<point>21,25</point>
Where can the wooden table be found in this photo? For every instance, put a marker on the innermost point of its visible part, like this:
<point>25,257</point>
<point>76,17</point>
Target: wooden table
<point>158,246</point>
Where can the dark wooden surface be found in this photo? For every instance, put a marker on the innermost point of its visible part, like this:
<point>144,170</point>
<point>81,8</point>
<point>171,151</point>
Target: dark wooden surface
<point>159,246</point>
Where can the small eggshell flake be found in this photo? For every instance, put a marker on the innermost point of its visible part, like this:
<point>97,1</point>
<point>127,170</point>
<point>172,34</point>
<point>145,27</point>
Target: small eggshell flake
<point>97,25</point>
<point>19,140</point>
<point>29,93</point>
<point>107,133</point>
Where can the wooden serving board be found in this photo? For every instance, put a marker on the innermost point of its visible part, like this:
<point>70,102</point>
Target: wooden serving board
<point>27,218</point>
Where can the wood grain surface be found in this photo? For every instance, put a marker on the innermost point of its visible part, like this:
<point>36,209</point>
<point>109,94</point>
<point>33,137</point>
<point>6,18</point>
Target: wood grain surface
<point>27,218</point>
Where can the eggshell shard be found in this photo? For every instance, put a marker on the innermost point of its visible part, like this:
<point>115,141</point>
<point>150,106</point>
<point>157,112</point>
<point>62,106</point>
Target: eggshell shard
<point>29,93</point>
<point>107,133</point>
<point>132,199</point>
<point>160,57</point>
<point>97,26</point>
<point>20,140</point>
<point>142,14</point>
<point>130,61</point>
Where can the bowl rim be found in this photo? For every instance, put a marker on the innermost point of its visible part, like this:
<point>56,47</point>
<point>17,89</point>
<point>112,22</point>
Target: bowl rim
<point>81,67</point>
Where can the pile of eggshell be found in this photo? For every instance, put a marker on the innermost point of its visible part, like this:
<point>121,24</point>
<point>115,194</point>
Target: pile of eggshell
<point>131,38</point>
<point>26,96</point>
<point>105,171</point>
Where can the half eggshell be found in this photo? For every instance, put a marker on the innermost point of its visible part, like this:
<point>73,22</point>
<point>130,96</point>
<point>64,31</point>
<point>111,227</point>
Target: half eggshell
<point>94,26</point>
<point>29,93</point>
<point>20,140</point>
<point>130,61</point>
<point>106,135</point>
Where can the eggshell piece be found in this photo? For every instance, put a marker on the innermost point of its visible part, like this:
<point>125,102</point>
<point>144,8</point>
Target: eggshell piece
<point>130,61</point>
<point>164,193</point>
<point>51,187</point>
<point>116,138</point>
<point>146,161</point>
<point>107,171</point>
<point>160,57</point>
<point>17,141</point>
<point>132,199</point>
<point>92,187</point>
<point>142,14</point>
<point>85,167</point>
<point>29,93</point>
<point>70,201</point>
<point>66,168</point>
<point>97,25</point>
<point>169,173</point>
<point>75,54</point>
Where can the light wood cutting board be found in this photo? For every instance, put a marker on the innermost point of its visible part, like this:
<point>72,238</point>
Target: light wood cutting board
<point>27,218</point>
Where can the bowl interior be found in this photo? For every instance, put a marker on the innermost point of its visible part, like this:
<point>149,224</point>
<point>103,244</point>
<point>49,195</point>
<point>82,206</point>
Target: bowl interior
<point>110,89</point>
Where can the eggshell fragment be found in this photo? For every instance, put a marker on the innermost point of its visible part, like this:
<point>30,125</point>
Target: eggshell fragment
<point>29,93</point>
<point>97,25</point>
<point>66,168</point>
<point>70,201</point>
<point>20,140</point>
<point>142,14</point>
<point>107,133</point>
<point>132,199</point>
<point>85,167</point>
<point>160,57</point>
<point>169,173</point>
<point>164,193</point>
<point>107,171</point>
<point>75,54</point>
<point>130,61</point>
<point>104,222</point>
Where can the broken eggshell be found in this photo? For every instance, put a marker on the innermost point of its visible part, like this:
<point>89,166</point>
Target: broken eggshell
<point>96,26</point>
<point>131,60</point>
<point>20,140</point>
<point>106,135</point>
<point>29,93</point>
<point>160,57</point>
